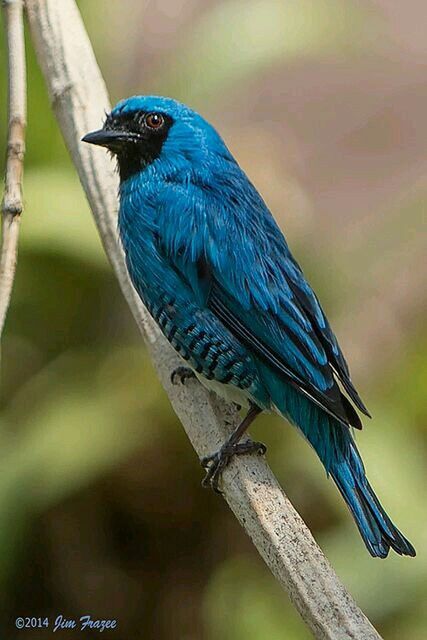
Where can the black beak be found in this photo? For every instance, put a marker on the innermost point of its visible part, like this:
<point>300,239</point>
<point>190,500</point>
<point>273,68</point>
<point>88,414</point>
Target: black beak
<point>111,139</point>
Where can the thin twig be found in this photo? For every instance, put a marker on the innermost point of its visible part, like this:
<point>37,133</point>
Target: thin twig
<point>79,98</point>
<point>17,111</point>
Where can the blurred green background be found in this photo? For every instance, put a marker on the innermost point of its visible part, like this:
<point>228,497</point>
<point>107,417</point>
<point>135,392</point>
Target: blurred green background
<point>324,104</point>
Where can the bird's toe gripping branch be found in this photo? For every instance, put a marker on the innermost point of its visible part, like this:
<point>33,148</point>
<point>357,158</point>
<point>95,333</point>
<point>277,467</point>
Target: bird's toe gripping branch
<point>180,375</point>
<point>216,463</point>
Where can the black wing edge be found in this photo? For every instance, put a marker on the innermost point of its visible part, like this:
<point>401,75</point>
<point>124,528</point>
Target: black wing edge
<point>337,361</point>
<point>341,410</point>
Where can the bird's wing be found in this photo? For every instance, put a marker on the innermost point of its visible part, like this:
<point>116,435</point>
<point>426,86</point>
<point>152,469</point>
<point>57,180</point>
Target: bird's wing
<point>237,262</point>
<point>292,350</point>
<point>305,297</point>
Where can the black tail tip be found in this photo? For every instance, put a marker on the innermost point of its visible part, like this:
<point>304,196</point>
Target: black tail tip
<point>398,543</point>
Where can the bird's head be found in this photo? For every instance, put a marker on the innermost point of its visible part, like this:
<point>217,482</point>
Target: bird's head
<point>143,129</point>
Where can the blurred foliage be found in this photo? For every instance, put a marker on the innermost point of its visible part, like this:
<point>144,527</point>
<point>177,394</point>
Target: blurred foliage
<point>100,499</point>
<point>267,32</point>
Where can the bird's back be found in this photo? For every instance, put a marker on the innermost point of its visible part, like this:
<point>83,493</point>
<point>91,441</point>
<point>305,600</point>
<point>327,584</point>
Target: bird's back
<point>215,271</point>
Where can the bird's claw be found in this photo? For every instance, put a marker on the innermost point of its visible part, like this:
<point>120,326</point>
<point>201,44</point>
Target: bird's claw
<point>216,462</point>
<point>181,374</point>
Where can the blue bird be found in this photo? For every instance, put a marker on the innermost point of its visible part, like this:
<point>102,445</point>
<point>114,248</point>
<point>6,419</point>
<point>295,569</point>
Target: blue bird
<point>214,270</point>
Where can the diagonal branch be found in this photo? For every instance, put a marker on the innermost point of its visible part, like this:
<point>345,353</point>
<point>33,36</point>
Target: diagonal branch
<point>79,97</point>
<point>17,113</point>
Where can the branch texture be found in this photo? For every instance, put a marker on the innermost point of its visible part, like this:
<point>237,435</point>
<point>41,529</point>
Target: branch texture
<point>79,98</point>
<point>17,110</point>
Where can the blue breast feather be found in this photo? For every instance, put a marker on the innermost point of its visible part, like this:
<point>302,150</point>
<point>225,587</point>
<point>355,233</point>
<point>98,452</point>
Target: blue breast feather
<point>220,248</point>
<point>214,270</point>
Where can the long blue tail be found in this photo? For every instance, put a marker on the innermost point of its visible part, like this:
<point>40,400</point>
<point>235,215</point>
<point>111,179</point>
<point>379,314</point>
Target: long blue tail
<point>377,530</point>
<point>337,450</point>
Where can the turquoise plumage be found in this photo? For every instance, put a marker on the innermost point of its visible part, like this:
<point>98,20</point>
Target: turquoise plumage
<point>215,271</point>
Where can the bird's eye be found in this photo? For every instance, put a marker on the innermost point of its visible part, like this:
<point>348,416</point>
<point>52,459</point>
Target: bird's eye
<point>154,120</point>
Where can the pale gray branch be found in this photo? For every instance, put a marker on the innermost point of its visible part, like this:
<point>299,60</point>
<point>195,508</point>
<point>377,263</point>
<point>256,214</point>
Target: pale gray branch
<point>17,112</point>
<point>79,98</point>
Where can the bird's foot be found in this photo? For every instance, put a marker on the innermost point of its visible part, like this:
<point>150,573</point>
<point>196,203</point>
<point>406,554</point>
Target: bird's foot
<point>216,463</point>
<point>181,374</point>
